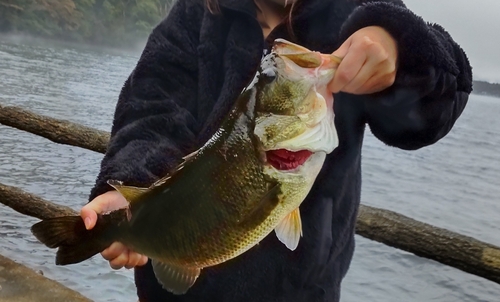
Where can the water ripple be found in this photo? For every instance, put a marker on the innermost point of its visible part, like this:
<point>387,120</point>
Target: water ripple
<point>453,184</point>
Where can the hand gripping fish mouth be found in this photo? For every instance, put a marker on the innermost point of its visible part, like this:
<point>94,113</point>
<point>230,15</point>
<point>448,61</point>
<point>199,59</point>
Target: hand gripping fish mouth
<point>298,122</point>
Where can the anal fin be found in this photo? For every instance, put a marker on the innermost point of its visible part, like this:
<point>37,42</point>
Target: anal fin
<point>289,230</point>
<point>175,279</point>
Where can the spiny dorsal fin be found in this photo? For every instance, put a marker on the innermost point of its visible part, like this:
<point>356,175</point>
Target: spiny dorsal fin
<point>289,230</point>
<point>130,193</point>
<point>191,155</point>
<point>167,177</point>
<point>176,280</point>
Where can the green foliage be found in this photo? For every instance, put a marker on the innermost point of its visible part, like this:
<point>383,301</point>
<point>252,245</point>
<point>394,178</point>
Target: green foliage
<point>100,21</point>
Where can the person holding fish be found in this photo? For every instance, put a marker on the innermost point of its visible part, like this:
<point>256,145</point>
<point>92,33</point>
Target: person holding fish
<point>202,166</point>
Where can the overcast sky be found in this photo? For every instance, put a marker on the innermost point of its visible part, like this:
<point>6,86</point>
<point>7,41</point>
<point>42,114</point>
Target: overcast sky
<point>475,25</point>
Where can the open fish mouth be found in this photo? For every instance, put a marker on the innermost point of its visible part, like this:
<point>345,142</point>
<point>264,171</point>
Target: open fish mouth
<point>286,160</point>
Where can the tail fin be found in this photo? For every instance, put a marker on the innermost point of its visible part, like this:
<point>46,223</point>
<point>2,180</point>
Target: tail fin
<point>74,241</point>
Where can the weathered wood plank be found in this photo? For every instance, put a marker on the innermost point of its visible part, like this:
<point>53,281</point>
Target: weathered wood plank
<point>58,131</point>
<point>424,240</point>
<point>21,284</point>
<point>31,205</point>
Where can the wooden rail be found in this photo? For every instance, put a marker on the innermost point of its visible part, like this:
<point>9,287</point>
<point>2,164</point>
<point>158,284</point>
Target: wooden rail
<point>393,229</point>
<point>58,131</point>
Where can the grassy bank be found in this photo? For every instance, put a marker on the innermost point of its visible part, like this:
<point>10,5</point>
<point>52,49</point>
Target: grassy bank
<point>105,22</point>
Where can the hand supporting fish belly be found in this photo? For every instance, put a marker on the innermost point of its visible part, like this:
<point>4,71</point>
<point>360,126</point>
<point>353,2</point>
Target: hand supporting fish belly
<point>246,181</point>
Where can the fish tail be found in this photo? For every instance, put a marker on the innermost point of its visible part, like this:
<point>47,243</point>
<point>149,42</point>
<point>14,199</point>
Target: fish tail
<point>74,242</point>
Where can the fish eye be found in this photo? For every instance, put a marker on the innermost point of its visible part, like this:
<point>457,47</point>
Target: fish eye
<point>268,75</point>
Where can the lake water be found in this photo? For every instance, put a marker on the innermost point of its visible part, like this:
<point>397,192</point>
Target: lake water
<point>453,184</point>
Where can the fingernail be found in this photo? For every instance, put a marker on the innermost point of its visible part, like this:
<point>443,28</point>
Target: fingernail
<point>87,223</point>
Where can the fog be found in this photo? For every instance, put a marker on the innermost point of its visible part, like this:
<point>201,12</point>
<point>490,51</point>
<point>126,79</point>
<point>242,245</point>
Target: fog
<point>475,25</point>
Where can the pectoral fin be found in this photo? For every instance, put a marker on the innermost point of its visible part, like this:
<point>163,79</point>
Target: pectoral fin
<point>289,230</point>
<point>176,280</point>
<point>263,208</point>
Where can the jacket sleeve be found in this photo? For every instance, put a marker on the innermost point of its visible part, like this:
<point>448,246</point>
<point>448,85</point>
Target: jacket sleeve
<point>154,124</point>
<point>433,81</point>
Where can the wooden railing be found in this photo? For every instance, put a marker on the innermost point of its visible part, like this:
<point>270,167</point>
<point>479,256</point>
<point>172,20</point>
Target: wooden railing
<point>393,229</point>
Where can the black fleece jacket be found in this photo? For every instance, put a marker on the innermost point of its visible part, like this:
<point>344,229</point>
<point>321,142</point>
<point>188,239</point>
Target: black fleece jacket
<point>192,69</point>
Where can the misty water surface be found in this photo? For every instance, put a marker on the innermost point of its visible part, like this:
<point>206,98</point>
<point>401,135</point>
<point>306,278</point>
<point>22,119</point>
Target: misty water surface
<point>453,184</point>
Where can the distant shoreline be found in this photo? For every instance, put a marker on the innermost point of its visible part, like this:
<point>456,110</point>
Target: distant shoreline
<point>479,87</point>
<point>486,88</point>
<point>134,48</point>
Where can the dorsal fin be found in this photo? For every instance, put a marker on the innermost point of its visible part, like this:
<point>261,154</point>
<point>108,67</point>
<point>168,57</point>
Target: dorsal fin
<point>132,193</point>
<point>129,192</point>
<point>165,179</point>
<point>191,155</point>
<point>289,230</point>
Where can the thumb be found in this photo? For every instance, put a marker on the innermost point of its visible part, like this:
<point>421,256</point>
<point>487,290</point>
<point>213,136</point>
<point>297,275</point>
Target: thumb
<point>89,216</point>
<point>108,201</point>
<point>97,205</point>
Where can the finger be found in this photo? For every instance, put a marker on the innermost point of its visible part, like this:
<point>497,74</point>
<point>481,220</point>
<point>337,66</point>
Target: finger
<point>142,261</point>
<point>133,259</point>
<point>119,261</point>
<point>369,71</point>
<point>378,83</point>
<point>114,250</point>
<point>348,69</point>
<point>378,73</point>
<point>373,75</point>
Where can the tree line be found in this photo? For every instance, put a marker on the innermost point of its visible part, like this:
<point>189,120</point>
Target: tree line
<point>95,21</point>
<point>486,88</point>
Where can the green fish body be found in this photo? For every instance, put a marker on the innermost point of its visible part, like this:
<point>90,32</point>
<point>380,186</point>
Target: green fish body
<point>246,181</point>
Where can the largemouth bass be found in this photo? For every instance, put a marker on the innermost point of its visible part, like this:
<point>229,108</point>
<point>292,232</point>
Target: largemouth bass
<point>246,181</point>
